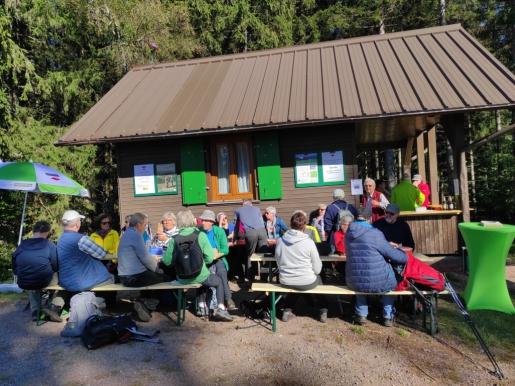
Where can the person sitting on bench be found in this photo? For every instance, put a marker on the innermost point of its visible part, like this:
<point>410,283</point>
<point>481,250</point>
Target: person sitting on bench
<point>396,231</point>
<point>299,265</point>
<point>368,268</point>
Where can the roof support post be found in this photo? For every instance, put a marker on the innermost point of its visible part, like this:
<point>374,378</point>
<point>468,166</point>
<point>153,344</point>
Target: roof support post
<point>406,165</point>
<point>421,158</point>
<point>433,166</point>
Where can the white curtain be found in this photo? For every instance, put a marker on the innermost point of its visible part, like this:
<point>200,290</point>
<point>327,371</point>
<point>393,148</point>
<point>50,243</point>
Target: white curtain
<point>223,168</point>
<point>242,155</point>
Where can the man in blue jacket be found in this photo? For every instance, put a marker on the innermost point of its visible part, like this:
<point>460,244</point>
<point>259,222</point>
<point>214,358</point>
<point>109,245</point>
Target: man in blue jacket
<point>369,266</point>
<point>331,216</point>
<point>34,263</point>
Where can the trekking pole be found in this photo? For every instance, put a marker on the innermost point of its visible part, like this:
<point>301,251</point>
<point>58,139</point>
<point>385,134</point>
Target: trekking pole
<point>497,370</point>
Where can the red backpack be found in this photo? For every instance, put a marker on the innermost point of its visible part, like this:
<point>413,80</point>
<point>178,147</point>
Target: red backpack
<point>420,273</point>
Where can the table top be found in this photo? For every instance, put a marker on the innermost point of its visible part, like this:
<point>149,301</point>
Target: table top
<point>476,226</point>
<point>266,257</point>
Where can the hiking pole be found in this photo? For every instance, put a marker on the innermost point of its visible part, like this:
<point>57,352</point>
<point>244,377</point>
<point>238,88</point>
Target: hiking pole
<point>498,372</point>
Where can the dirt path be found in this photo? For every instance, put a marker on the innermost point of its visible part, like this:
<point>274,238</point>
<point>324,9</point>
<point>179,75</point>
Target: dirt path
<point>302,352</point>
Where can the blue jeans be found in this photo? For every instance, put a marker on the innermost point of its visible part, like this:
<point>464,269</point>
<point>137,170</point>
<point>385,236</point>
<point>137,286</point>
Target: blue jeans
<point>361,307</point>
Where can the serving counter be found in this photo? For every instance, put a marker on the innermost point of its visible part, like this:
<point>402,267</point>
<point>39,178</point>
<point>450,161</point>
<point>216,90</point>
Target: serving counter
<point>435,231</point>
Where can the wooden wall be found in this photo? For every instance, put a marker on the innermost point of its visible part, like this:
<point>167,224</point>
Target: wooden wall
<point>436,234</point>
<point>291,141</point>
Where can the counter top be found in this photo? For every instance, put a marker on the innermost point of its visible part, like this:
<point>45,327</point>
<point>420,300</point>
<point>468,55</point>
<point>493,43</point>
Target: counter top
<point>430,213</point>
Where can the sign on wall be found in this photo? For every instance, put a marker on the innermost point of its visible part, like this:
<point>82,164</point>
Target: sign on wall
<point>155,179</point>
<point>319,169</point>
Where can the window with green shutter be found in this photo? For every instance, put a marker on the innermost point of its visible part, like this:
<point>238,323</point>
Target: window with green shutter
<point>268,166</point>
<point>193,172</point>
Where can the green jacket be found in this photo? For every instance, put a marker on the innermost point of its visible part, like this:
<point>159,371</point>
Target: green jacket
<point>407,196</point>
<point>206,249</point>
<point>221,243</point>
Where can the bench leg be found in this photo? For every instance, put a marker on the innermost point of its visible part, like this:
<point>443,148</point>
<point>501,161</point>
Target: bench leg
<point>273,315</point>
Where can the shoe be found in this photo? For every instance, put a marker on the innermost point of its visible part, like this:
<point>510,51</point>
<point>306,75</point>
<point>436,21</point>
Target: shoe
<point>222,315</point>
<point>142,312</point>
<point>231,306</point>
<point>150,303</point>
<point>287,314</point>
<point>71,330</point>
<point>388,322</point>
<point>52,313</point>
<point>323,315</point>
<point>202,311</point>
<point>361,320</point>
<point>34,316</point>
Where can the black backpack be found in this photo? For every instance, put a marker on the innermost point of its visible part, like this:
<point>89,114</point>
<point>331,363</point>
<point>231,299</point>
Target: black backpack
<point>102,330</point>
<point>187,256</point>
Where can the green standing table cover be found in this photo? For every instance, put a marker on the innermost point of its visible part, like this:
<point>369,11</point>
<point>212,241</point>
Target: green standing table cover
<point>487,250</point>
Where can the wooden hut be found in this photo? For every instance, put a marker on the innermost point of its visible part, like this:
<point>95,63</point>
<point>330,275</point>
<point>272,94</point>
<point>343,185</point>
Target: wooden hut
<point>283,126</point>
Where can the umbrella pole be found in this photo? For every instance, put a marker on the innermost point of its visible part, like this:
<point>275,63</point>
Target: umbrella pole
<point>22,217</point>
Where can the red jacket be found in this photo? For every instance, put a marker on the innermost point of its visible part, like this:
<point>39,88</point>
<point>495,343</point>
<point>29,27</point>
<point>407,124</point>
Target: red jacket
<point>377,211</point>
<point>339,242</point>
<point>424,188</point>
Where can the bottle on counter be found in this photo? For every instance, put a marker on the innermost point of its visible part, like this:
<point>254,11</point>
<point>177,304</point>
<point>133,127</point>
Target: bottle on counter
<point>444,202</point>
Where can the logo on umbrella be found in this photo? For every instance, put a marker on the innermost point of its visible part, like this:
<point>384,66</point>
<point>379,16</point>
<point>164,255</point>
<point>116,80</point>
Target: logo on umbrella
<point>53,176</point>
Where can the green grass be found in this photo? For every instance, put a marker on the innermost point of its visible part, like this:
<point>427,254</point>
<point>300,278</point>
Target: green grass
<point>402,332</point>
<point>358,330</point>
<point>11,297</point>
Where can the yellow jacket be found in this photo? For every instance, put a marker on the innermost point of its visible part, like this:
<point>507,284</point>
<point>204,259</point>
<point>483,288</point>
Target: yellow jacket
<point>109,242</point>
<point>311,228</point>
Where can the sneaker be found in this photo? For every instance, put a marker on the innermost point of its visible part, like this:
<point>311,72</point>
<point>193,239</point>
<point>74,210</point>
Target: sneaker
<point>222,315</point>
<point>361,320</point>
<point>323,315</point>
<point>142,312</point>
<point>388,322</point>
<point>52,313</point>
<point>287,314</point>
<point>231,306</point>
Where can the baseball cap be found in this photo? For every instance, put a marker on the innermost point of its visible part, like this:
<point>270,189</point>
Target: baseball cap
<point>208,215</point>
<point>393,208</point>
<point>71,215</point>
<point>417,177</point>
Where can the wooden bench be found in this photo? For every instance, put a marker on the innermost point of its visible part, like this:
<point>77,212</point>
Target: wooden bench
<point>177,288</point>
<point>429,302</point>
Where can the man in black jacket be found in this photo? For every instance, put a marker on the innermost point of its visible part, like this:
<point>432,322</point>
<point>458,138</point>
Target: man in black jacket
<point>34,263</point>
<point>395,229</point>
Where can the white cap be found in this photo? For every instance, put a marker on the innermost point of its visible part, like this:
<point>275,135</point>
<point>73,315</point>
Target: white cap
<point>71,215</point>
<point>416,177</point>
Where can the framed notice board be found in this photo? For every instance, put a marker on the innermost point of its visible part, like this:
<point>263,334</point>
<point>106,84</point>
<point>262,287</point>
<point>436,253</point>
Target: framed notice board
<point>155,179</point>
<point>319,169</point>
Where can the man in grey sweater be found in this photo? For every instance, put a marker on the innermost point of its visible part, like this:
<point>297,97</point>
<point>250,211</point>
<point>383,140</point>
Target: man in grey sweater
<point>299,265</point>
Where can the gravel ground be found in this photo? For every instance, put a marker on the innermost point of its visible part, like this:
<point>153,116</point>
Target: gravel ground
<point>302,352</point>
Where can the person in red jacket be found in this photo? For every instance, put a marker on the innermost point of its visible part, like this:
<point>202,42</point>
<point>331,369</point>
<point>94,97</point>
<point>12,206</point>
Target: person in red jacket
<point>373,200</point>
<point>423,187</point>
<point>346,218</point>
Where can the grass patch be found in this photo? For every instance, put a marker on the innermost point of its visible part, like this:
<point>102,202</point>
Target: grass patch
<point>11,296</point>
<point>402,332</point>
<point>358,330</point>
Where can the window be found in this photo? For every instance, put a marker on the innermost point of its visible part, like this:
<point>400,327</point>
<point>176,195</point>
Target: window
<point>232,171</point>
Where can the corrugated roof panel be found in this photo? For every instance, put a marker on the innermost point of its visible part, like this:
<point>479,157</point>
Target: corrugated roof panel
<point>314,92</point>
<point>221,99</point>
<point>208,95</point>
<point>402,86</point>
<point>387,97</point>
<point>348,89</point>
<point>419,82</point>
<point>331,88</point>
<point>248,107</point>
<point>459,82</point>
<point>482,84</point>
<point>488,67</point>
<point>367,93</point>
<point>266,97</point>
<point>90,125</point>
<point>438,81</point>
<point>232,108</point>
<point>282,91</point>
<point>297,109</point>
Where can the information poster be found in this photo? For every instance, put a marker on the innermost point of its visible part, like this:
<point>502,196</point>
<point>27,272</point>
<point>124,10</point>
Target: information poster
<point>166,178</point>
<point>356,187</point>
<point>144,179</point>
<point>332,166</point>
<point>306,169</point>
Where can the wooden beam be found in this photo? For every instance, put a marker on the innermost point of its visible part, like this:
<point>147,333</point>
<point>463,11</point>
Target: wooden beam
<point>433,166</point>
<point>464,187</point>
<point>489,138</point>
<point>406,166</point>
<point>421,159</point>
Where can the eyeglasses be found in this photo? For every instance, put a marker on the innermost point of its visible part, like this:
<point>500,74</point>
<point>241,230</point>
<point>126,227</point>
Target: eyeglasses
<point>105,222</point>
<point>391,213</point>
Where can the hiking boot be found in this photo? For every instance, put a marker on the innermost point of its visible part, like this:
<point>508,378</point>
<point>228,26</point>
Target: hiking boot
<point>387,322</point>
<point>53,313</point>
<point>287,314</point>
<point>222,315</point>
<point>231,306</point>
<point>323,315</point>
<point>142,312</point>
<point>361,320</point>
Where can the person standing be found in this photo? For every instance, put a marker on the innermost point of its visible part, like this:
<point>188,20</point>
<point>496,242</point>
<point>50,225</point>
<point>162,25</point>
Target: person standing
<point>407,196</point>
<point>373,200</point>
<point>35,263</point>
<point>423,187</point>
<point>274,225</point>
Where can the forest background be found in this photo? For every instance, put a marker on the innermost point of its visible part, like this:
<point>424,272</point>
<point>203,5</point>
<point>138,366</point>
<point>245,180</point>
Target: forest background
<point>59,57</point>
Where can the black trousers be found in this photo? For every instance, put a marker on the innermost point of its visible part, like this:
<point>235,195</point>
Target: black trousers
<point>143,279</point>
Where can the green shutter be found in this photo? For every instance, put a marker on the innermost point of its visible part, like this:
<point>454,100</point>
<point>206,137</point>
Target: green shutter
<point>193,172</point>
<point>268,166</point>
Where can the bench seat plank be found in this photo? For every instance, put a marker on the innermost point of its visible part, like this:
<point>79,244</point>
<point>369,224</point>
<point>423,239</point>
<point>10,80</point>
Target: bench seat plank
<point>264,258</point>
<point>172,285</point>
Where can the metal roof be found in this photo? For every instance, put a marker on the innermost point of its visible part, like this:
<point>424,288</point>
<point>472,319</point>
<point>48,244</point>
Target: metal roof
<point>419,72</point>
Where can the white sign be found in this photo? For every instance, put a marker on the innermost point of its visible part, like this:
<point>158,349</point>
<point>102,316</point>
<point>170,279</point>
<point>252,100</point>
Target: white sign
<point>332,166</point>
<point>356,187</point>
<point>144,179</point>
<point>306,168</point>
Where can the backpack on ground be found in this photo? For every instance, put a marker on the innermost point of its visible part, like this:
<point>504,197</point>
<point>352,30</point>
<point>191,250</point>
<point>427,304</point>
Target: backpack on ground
<point>187,256</point>
<point>82,306</point>
<point>256,309</point>
<point>420,274</point>
<point>102,330</point>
